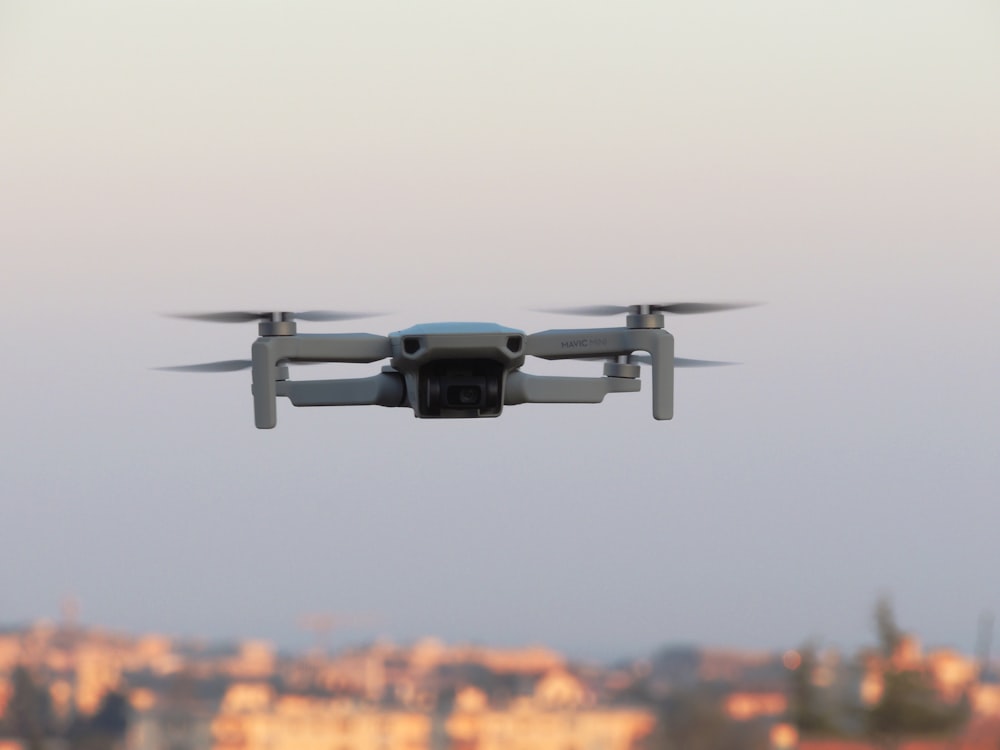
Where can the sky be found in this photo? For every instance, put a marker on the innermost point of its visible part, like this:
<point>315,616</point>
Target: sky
<point>838,162</point>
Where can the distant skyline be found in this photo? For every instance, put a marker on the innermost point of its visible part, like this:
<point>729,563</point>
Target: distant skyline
<point>347,638</point>
<point>471,161</point>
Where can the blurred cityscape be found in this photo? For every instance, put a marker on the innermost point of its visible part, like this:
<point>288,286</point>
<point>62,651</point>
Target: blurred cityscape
<point>66,686</point>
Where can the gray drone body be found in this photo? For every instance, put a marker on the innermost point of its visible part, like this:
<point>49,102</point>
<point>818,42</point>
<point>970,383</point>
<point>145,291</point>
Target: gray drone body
<point>459,370</point>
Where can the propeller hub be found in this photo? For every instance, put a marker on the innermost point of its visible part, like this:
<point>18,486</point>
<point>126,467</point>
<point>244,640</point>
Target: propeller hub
<point>648,319</point>
<point>279,324</point>
<point>621,368</point>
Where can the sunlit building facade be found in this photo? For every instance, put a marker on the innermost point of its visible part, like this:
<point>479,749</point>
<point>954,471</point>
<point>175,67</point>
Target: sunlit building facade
<point>253,717</point>
<point>559,714</point>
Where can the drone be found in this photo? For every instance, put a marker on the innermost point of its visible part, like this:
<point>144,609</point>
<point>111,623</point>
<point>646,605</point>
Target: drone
<point>458,370</point>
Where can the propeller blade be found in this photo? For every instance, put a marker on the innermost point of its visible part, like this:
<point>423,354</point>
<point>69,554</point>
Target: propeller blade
<point>321,316</point>
<point>684,362</point>
<point>595,310</point>
<point>695,308</point>
<point>246,316</point>
<point>674,308</point>
<point>228,365</point>
<point>223,317</point>
<point>645,359</point>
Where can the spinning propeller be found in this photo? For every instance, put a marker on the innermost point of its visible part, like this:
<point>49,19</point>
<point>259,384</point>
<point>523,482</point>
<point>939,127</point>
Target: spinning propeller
<point>645,359</point>
<point>226,365</point>
<point>674,308</point>
<point>266,320</point>
<point>242,316</point>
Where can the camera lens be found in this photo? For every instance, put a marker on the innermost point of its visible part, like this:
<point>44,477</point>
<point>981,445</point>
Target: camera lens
<point>461,388</point>
<point>465,395</point>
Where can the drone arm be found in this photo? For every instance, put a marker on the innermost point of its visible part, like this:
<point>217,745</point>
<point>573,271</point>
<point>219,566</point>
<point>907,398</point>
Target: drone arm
<point>660,346</point>
<point>384,389</point>
<point>268,351</point>
<point>577,343</point>
<point>523,388</point>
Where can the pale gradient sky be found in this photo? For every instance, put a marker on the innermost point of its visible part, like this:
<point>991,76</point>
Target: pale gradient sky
<point>470,160</point>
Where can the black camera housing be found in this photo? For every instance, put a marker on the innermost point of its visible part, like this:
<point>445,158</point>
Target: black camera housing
<point>461,388</point>
<point>457,370</point>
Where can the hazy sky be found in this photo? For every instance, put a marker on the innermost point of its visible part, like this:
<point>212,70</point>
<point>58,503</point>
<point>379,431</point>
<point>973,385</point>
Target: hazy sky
<point>839,161</point>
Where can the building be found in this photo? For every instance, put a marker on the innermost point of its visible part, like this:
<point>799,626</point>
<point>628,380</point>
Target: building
<point>254,717</point>
<point>559,714</point>
<point>748,705</point>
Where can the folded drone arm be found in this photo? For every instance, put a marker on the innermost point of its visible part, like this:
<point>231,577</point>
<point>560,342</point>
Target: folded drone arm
<point>384,389</point>
<point>268,351</point>
<point>598,342</point>
<point>523,388</point>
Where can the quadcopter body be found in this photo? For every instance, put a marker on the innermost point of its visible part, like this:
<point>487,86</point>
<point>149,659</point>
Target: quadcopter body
<point>458,370</point>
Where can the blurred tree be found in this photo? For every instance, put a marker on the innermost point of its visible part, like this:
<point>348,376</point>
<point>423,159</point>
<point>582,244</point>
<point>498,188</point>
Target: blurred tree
<point>890,636</point>
<point>807,709</point>
<point>909,704</point>
<point>113,715</point>
<point>28,710</point>
<point>106,729</point>
<point>695,720</point>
